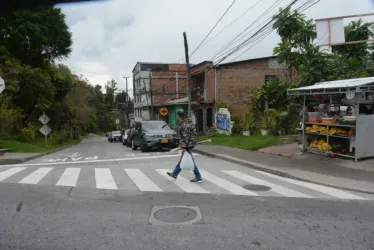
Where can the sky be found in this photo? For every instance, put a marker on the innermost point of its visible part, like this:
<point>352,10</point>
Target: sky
<point>110,37</point>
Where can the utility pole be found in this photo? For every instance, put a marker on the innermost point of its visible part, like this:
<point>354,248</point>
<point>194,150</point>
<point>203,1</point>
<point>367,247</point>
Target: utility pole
<point>188,73</point>
<point>127,90</point>
<point>127,100</point>
<point>151,95</point>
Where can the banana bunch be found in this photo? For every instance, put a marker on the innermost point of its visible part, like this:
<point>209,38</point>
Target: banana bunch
<point>316,143</point>
<point>312,129</point>
<point>322,129</point>
<point>324,146</point>
<point>333,131</point>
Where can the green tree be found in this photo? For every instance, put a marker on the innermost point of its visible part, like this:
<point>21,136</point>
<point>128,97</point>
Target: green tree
<point>295,32</point>
<point>36,36</point>
<point>355,31</point>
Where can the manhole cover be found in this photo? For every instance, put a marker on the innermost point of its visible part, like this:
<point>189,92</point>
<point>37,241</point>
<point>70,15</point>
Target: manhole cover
<point>175,215</point>
<point>257,187</point>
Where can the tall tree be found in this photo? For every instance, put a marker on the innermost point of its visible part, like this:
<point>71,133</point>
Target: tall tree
<point>36,36</point>
<point>355,31</point>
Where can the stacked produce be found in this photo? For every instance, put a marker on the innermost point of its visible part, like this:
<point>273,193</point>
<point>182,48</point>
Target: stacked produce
<point>320,144</point>
<point>316,129</point>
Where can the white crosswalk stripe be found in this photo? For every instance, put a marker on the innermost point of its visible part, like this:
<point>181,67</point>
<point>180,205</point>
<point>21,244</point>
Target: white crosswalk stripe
<point>104,179</point>
<point>218,181</point>
<point>142,181</point>
<point>35,176</point>
<point>229,186</point>
<point>323,189</point>
<point>69,178</point>
<point>9,172</point>
<point>275,188</point>
<point>183,183</point>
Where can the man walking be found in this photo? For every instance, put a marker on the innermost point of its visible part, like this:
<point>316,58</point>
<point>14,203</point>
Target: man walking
<point>187,141</point>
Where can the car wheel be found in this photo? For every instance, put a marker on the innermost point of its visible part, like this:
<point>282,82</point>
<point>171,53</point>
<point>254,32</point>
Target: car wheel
<point>133,146</point>
<point>143,147</point>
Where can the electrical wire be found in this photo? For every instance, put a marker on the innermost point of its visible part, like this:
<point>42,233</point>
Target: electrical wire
<point>245,12</point>
<point>301,8</point>
<point>211,30</point>
<point>241,34</point>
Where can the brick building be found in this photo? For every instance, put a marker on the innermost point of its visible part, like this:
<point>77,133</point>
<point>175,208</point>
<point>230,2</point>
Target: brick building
<point>229,83</point>
<point>235,80</point>
<point>155,84</point>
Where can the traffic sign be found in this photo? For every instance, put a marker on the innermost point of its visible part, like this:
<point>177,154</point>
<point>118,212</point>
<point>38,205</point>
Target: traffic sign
<point>44,119</point>
<point>2,84</point>
<point>117,121</point>
<point>45,130</point>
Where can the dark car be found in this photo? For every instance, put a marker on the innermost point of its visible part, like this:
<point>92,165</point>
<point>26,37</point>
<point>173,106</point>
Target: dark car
<point>115,136</point>
<point>153,134</point>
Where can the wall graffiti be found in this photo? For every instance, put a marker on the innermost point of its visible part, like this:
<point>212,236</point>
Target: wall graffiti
<point>223,121</point>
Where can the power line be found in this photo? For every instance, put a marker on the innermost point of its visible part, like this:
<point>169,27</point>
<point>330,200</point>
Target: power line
<point>219,20</point>
<point>240,36</point>
<point>240,46</point>
<point>245,12</point>
<point>301,8</point>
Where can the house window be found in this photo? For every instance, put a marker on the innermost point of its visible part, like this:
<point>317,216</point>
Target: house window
<point>269,78</point>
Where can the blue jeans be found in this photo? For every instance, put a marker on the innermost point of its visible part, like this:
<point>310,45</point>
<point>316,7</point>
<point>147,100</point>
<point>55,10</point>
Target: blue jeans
<point>178,169</point>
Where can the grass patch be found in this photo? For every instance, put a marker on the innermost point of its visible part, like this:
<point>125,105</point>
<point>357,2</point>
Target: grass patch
<point>253,142</point>
<point>37,146</point>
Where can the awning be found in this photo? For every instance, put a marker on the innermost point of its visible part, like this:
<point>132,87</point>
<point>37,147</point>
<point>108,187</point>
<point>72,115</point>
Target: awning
<point>336,87</point>
<point>178,101</point>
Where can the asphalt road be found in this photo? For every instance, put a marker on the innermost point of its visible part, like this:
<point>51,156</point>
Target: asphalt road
<point>99,195</point>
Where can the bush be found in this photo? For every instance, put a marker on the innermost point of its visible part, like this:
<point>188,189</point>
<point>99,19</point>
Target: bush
<point>9,117</point>
<point>28,134</point>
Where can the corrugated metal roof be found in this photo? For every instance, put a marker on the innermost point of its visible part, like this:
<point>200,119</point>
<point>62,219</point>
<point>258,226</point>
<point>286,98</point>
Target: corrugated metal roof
<point>348,83</point>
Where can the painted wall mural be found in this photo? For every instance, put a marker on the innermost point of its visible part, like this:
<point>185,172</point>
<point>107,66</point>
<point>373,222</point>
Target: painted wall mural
<point>223,121</point>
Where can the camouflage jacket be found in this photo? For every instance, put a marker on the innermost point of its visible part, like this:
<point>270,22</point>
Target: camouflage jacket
<point>187,134</point>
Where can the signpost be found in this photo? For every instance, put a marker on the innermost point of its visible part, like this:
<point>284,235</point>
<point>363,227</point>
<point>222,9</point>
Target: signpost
<point>45,130</point>
<point>2,85</point>
<point>117,122</point>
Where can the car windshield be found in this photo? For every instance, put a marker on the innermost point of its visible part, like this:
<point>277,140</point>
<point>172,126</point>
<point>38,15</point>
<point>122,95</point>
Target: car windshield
<point>155,125</point>
<point>116,133</point>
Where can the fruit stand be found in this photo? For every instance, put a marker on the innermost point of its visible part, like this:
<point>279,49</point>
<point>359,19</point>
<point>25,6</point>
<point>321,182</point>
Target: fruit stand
<point>342,123</point>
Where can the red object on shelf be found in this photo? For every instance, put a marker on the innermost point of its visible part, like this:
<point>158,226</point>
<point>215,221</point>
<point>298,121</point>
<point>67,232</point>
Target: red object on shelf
<point>319,97</point>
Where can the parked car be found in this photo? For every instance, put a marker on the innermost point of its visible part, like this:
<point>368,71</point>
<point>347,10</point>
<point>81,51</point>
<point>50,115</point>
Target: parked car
<point>125,136</point>
<point>153,134</point>
<point>115,136</point>
<point>129,137</point>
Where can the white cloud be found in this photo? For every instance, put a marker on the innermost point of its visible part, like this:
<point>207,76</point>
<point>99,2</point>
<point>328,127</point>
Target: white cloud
<point>111,36</point>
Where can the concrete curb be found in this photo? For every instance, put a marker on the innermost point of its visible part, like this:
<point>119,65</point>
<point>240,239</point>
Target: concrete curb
<point>22,160</point>
<point>275,172</point>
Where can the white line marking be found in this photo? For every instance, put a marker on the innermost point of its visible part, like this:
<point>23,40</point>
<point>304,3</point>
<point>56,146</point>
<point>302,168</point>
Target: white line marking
<point>82,162</point>
<point>69,178</point>
<point>274,187</point>
<point>7,173</point>
<point>142,181</point>
<point>35,176</point>
<point>323,189</point>
<point>104,179</point>
<point>183,183</point>
<point>229,186</point>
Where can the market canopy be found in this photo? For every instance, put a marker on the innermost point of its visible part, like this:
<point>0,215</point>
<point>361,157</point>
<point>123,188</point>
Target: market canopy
<point>336,87</point>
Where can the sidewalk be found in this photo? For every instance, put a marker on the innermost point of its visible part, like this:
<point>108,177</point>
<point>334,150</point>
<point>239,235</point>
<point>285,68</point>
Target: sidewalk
<point>17,158</point>
<point>308,167</point>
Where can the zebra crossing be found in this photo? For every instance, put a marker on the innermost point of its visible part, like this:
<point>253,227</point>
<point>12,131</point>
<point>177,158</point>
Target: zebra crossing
<point>155,180</point>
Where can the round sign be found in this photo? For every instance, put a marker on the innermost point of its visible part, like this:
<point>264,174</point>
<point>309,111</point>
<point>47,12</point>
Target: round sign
<point>164,111</point>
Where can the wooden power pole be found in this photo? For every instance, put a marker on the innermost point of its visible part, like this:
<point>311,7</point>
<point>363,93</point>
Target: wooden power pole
<point>188,73</point>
